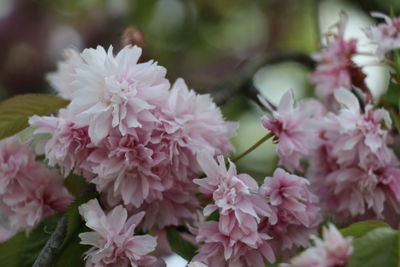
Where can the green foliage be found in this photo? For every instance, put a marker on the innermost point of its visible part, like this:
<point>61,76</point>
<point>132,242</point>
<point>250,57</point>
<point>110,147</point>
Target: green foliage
<point>10,251</point>
<point>391,101</point>
<point>213,216</point>
<point>392,96</point>
<point>72,253</point>
<point>75,184</point>
<point>74,221</point>
<point>396,120</point>
<point>37,239</point>
<point>15,112</point>
<point>142,11</point>
<point>379,247</point>
<point>359,229</point>
<point>22,249</point>
<point>179,245</point>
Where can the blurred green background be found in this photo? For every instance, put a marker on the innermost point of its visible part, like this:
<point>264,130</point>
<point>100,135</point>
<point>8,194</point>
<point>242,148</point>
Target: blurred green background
<point>207,42</point>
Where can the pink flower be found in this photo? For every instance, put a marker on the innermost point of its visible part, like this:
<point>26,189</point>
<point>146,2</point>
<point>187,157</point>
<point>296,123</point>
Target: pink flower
<point>234,195</point>
<point>15,160</point>
<point>290,192</point>
<point>67,143</point>
<point>235,238</point>
<point>336,68</point>
<point>128,167</point>
<point>116,92</point>
<point>220,250</point>
<point>354,172</point>
<point>295,129</point>
<point>296,207</point>
<point>357,194</point>
<point>113,239</point>
<point>177,206</point>
<point>360,137</point>
<point>61,79</point>
<point>195,122</point>
<point>29,191</point>
<point>385,35</point>
<point>145,167</point>
<point>142,172</point>
<point>35,199</point>
<point>332,251</point>
<point>133,138</point>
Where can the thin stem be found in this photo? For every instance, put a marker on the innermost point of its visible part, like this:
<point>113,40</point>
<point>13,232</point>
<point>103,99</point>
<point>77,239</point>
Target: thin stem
<point>253,147</point>
<point>242,82</point>
<point>317,22</point>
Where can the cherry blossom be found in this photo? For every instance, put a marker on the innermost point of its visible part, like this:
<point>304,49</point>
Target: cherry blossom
<point>113,241</point>
<point>294,128</point>
<point>296,209</point>
<point>29,191</point>
<point>116,91</point>
<point>385,35</point>
<point>333,250</point>
<point>336,68</point>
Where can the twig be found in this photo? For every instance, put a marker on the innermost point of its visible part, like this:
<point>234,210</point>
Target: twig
<point>317,22</point>
<point>243,82</point>
<point>49,252</point>
<point>253,147</point>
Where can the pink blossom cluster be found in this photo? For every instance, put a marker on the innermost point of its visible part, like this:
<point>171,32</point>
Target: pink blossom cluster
<point>29,191</point>
<point>336,68</point>
<point>333,250</point>
<point>351,166</point>
<point>143,143</point>
<point>126,131</point>
<point>113,241</point>
<point>295,207</point>
<point>354,171</point>
<point>386,36</point>
<point>295,128</point>
<point>251,218</point>
<point>344,141</point>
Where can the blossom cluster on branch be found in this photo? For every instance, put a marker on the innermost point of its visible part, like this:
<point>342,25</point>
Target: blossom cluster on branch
<point>158,156</point>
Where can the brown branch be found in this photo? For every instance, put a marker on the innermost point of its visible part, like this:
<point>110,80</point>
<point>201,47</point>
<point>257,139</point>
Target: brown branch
<point>243,82</point>
<point>49,252</point>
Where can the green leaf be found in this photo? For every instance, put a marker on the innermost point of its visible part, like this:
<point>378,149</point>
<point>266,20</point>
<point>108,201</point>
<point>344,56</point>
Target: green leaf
<point>15,111</point>
<point>179,245</point>
<point>396,120</point>
<point>75,184</point>
<point>359,229</point>
<point>10,250</point>
<point>74,221</point>
<point>36,240</point>
<point>72,253</point>
<point>213,216</point>
<point>22,250</point>
<point>392,96</point>
<point>379,247</point>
